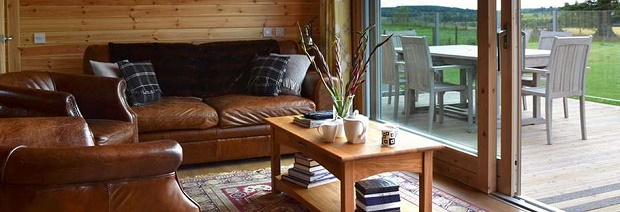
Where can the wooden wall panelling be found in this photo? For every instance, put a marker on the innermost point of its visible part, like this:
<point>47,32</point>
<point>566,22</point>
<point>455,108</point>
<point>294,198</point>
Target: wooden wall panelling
<point>72,25</point>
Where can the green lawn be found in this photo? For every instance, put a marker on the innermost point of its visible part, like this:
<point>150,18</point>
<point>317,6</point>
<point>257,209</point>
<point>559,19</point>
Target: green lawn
<point>602,81</point>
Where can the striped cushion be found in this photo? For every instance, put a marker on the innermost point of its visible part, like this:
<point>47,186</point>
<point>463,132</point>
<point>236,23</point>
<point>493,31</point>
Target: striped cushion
<point>142,86</point>
<point>268,72</point>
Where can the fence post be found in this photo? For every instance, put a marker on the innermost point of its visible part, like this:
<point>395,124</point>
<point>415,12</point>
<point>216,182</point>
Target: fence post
<point>555,20</point>
<point>436,30</point>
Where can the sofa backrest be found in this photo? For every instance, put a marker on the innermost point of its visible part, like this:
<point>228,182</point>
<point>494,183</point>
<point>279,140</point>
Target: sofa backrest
<point>202,70</point>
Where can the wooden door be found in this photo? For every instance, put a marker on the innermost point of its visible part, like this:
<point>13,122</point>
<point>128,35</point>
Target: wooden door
<point>12,56</point>
<point>3,55</point>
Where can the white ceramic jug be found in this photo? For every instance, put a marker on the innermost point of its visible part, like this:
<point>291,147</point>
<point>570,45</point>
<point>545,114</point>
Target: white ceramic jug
<point>355,127</point>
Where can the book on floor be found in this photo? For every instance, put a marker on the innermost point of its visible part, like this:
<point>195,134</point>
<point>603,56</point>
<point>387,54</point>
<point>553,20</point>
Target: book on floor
<point>308,168</point>
<point>358,193</point>
<point>386,210</point>
<point>311,178</point>
<point>305,184</point>
<point>378,200</point>
<point>379,185</point>
<point>387,206</point>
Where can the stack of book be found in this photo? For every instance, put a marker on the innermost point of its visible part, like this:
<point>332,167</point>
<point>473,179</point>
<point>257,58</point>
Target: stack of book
<point>309,123</point>
<point>308,173</point>
<point>377,195</point>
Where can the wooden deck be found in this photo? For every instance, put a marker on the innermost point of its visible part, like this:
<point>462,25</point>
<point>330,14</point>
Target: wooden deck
<point>558,172</point>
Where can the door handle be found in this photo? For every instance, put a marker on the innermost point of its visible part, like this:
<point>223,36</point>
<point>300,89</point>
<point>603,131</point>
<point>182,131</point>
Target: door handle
<point>5,38</point>
<point>503,36</point>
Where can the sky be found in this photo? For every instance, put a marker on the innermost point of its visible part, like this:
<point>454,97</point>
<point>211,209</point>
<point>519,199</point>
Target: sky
<point>471,4</point>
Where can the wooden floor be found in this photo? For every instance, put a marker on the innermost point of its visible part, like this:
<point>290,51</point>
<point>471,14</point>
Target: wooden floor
<point>466,193</point>
<point>569,165</point>
<point>572,164</point>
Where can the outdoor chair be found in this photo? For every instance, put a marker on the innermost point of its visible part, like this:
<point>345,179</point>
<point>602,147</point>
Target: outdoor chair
<point>545,42</point>
<point>421,76</point>
<point>398,34</point>
<point>390,74</point>
<point>565,77</point>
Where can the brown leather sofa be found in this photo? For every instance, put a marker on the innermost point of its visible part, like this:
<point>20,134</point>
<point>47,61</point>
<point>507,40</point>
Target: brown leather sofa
<point>52,164</point>
<point>205,107</point>
<point>98,99</point>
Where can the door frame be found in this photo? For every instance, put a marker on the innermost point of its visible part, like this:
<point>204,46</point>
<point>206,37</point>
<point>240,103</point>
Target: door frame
<point>507,169</point>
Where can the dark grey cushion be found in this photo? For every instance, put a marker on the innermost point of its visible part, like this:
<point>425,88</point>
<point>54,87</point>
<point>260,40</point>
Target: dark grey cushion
<point>267,74</point>
<point>142,86</point>
<point>296,69</point>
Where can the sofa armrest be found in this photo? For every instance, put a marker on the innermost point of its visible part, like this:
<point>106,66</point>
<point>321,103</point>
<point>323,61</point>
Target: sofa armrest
<point>50,103</point>
<point>42,132</point>
<point>314,89</point>
<point>97,97</point>
<point>58,166</point>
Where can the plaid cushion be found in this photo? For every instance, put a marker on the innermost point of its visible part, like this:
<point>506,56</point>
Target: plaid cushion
<point>268,72</point>
<point>142,86</point>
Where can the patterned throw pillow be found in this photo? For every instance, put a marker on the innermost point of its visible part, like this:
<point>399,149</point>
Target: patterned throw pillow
<point>142,86</point>
<point>267,74</point>
<point>296,69</point>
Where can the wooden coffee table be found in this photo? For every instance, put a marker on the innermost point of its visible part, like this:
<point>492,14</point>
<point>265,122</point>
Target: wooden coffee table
<point>350,163</point>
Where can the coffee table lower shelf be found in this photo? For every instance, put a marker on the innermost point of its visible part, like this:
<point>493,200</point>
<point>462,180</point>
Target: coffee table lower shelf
<point>322,198</point>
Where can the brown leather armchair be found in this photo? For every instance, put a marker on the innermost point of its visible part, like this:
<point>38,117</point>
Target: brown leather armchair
<point>100,100</point>
<point>51,164</point>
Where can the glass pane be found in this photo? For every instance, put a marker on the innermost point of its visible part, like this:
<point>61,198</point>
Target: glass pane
<point>574,174</point>
<point>406,91</point>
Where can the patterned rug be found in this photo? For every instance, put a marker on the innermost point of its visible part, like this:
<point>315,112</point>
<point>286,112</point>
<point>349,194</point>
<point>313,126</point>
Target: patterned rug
<point>251,191</point>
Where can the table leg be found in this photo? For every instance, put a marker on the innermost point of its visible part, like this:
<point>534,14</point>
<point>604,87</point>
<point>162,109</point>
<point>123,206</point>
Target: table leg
<point>275,162</point>
<point>535,99</point>
<point>463,81</point>
<point>426,183</point>
<point>470,104</point>
<point>347,195</point>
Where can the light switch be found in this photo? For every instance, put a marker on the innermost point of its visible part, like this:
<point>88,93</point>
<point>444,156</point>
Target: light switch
<point>280,32</point>
<point>39,37</point>
<point>267,32</point>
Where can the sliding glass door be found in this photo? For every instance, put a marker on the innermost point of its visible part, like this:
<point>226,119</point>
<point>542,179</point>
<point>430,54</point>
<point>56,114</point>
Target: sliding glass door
<point>443,109</point>
<point>437,78</point>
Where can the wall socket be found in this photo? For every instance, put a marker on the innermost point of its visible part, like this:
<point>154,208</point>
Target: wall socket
<point>279,31</point>
<point>267,32</point>
<point>39,37</point>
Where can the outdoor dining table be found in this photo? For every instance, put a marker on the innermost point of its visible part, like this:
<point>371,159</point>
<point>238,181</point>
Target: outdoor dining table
<point>468,55</point>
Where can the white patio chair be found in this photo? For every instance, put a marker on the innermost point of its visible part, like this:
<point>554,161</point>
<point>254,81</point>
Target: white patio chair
<point>420,74</point>
<point>545,42</point>
<point>389,72</point>
<point>565,76</point>
<point>398,34</point>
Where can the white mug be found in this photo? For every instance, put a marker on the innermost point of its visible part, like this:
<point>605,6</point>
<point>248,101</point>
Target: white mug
<point>389,132</point>
<point>329,130</point>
